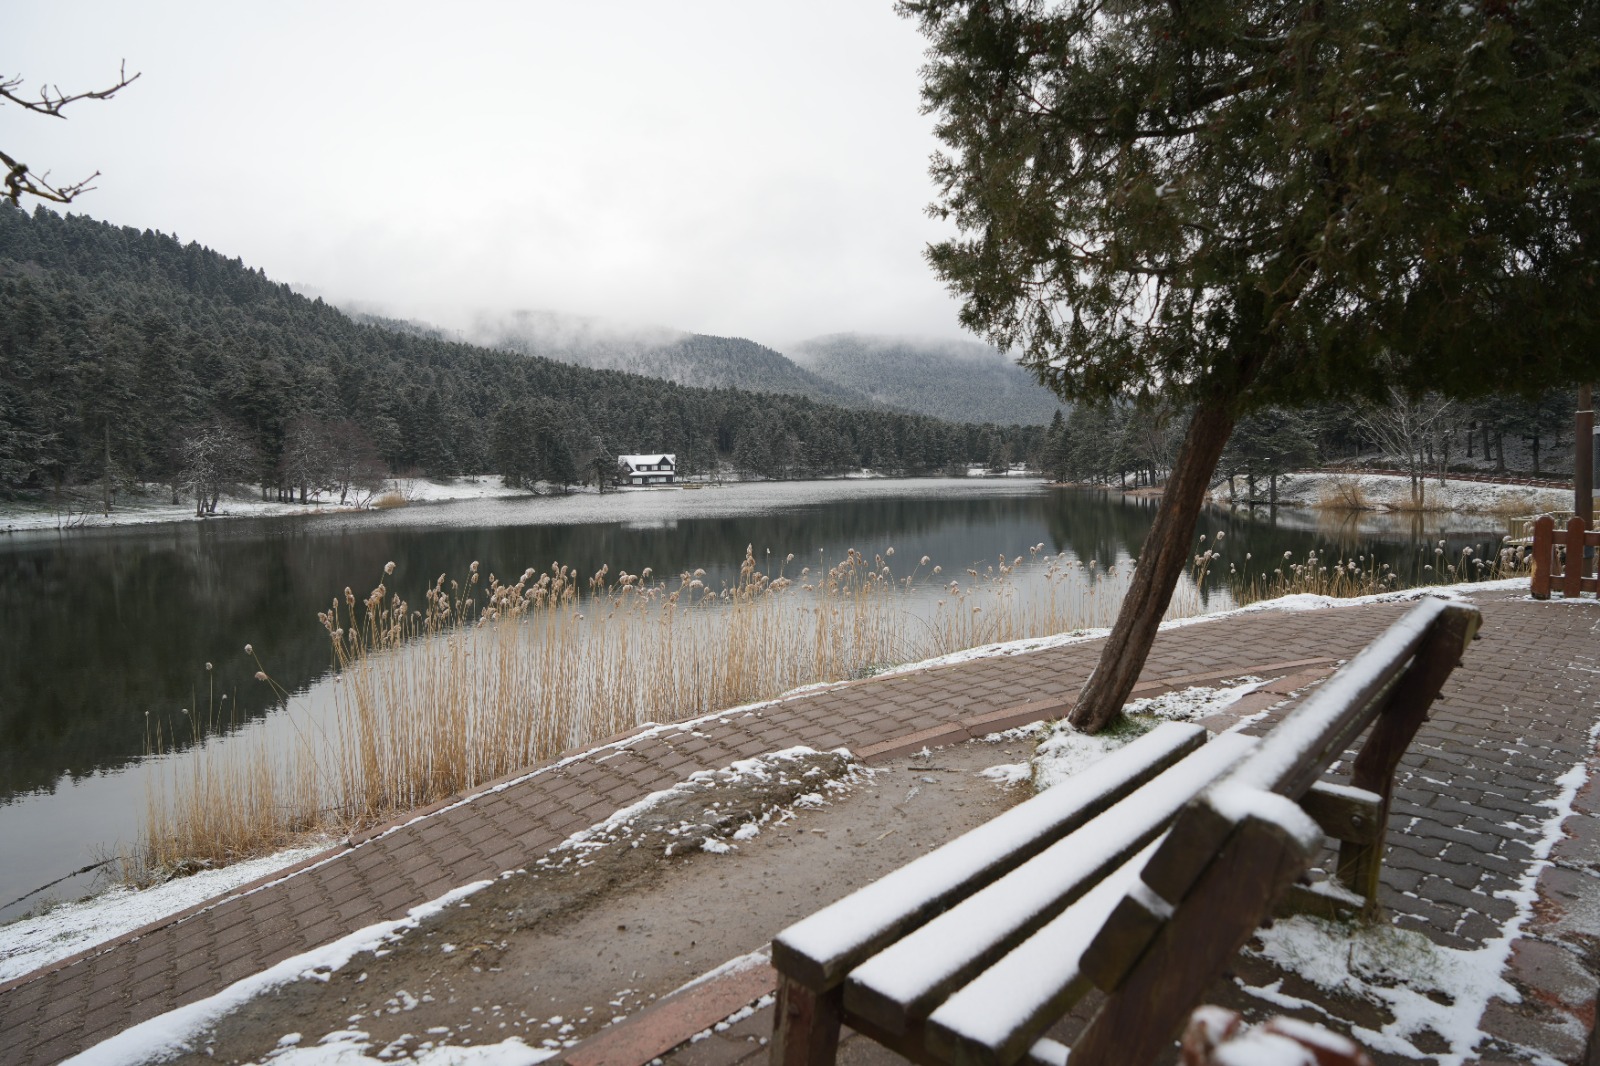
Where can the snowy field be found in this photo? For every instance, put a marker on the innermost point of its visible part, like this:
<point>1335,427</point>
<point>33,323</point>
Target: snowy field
<point>1392,492</point>
<point>153,504</point>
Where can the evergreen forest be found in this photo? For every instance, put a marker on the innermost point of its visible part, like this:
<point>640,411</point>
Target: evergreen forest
<point>128,357</point>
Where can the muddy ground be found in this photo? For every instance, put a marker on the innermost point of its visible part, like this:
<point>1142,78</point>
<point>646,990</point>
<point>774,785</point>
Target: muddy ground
<point>597,930</point>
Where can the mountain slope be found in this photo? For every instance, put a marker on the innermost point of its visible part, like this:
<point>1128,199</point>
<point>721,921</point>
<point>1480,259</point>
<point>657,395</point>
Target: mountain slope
<point>695,359</point>
<point>959,380</point>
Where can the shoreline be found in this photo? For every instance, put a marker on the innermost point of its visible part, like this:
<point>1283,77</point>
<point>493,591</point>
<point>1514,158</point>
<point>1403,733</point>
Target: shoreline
<point>1379,493</point>
<point>1327,490</point>
<point>149,505</point>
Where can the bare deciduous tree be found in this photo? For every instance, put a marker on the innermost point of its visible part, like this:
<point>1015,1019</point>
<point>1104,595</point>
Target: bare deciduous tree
<point>357,470</point>
<point>1413,430</point>
<point>20,180</point>
<point>212,457</point>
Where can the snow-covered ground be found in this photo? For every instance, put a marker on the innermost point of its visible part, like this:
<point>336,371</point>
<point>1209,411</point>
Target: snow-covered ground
<point>153,504</point>
<point>1427,989</point>
<point>1392,492</point>
<point>68,928</point>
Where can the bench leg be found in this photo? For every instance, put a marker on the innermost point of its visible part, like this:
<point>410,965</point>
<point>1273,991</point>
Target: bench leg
<point>805,1029</point>
<point>1403,713</point>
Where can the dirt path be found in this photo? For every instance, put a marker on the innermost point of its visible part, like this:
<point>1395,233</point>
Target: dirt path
<point>558,952</point>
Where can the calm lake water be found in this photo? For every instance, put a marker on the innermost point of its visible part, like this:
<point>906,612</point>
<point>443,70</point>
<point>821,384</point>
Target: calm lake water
<point>108,629</point>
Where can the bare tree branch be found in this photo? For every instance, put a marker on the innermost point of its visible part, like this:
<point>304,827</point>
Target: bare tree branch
<point>50,100</point>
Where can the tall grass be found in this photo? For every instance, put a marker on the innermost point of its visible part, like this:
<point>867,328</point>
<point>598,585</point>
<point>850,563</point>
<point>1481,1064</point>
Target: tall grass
<point>1364,575</point>
<point>486,676</point>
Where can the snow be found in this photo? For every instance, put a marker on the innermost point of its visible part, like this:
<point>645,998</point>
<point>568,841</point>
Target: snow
<point>1197,701</point>
<point>1237,802</point>
<point>650,460</point>
<point>835,932</point>
<point>1386,492</point>
<point>1308,726</point>
<point>1257,1047</point>
<point>762,956</point>
<point>1028,980</point>
<point>64,930</point>
<point>177,1031</point>
<point>349,1047</point>
<point>153,504</point>
<point>1398,969</point>
<point>907,972</point>
<point>1064,752</point>
<point>1050,1052</point>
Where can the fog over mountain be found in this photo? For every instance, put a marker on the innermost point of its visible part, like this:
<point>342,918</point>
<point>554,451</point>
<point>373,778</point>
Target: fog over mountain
<point>694,359</point>
<point>959,380</point>
<point>956,379</point>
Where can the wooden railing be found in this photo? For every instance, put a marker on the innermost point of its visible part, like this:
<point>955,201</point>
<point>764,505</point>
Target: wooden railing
<point>1558,558</point>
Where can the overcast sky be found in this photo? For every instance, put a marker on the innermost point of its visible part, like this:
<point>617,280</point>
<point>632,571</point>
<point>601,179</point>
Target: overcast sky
<point>750,169</point>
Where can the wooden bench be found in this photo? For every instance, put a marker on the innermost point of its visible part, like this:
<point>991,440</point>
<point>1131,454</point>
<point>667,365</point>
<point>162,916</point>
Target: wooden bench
<point>1141,876</point>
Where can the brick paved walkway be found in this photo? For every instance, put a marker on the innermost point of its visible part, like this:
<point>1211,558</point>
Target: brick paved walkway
<point>1514,718</point>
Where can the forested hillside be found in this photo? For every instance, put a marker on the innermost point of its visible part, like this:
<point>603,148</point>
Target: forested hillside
<point>128,356</point>
<point>959,380</point>
<point>687,358</point>
<point>1423,436</point>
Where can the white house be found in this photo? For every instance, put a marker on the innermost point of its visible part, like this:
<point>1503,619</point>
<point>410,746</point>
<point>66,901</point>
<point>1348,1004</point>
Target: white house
<point>650,469</point>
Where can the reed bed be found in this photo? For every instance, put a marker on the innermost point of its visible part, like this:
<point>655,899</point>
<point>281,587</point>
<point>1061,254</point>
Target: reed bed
<point>1364,575</point>
<point>486,676</point>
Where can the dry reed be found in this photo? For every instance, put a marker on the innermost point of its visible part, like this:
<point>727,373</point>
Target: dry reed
<point>487,677</point>
<point>1364,575</point>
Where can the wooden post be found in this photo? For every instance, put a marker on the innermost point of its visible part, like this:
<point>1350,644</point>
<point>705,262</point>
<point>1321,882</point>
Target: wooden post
<point>1583,470</point>
<point>805,1029</point>
<point>1544,547</point>
<point>1572,572</point>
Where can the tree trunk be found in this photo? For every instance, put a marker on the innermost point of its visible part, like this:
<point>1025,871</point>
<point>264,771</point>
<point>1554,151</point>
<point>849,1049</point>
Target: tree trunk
<point>1160,565</point>
<point>107,486</point>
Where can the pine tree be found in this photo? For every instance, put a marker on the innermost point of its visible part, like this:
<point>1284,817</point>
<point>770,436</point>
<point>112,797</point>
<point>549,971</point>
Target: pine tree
<point>1240,205</point>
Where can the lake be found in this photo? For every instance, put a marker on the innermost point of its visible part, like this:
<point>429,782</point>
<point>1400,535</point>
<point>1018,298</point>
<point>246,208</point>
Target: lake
<point>110,629</point>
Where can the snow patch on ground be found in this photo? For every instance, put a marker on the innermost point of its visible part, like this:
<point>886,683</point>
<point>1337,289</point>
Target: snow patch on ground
<point>1388,492</point>
<point>350,1047</point>
<point>64,930</point>
<point>168,1035</point>
<point>153,504</point>
<point>1424,986</point>
<point>1197,701</point>
<point>1062,751</point>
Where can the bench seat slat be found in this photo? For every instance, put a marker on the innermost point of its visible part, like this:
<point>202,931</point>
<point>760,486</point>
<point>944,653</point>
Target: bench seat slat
<point>819,950</point>
<point>904,982</point>
<point>998,1015</point>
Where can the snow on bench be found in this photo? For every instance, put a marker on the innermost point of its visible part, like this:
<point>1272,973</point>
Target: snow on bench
<point>821,949</point>
<point>1142,877</point>
<point>904,980</point>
